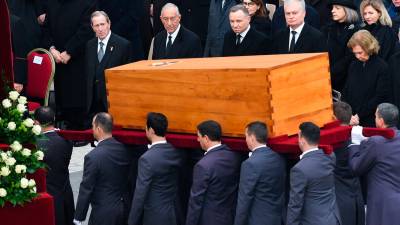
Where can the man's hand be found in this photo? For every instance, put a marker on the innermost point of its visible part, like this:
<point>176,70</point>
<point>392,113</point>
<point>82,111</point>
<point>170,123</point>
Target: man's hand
<point>356,135</point>
<point>41,19</point>
<point>18,87</point>
<point>65,57</point>
<point>56,54</point>
<point>355,120</point>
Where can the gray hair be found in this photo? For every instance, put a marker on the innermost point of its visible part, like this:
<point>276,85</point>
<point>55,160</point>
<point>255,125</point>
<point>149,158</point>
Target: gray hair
<point>351,15</point>
<point>389,113</point>
<point>100,13</point>
<point>170,5</point>
<point>302,3</point>
<point>239,7</point>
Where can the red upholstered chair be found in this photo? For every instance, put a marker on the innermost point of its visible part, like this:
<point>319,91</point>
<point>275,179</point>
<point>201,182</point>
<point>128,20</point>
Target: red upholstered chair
<point>41,69</point>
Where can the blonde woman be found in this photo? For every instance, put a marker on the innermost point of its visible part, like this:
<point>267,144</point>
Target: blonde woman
<point>378,22</point>
<point>367,83</point>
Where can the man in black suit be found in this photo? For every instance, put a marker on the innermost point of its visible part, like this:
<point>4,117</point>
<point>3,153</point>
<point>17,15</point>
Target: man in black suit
<point>105,178</point>
<point>175,41</point>
<point>126,15</point>
<point>215,180</point>
<point>262,181</point>
<point>156,185</point>
<point>57,155</point>
<point>312,183</point>
<point>105,51</point>
<point>299,37</point>
<point>243,39</point>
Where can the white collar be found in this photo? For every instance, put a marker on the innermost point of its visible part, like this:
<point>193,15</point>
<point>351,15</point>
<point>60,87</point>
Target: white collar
<point>156,143</point>
<point>212,147</point>
<point>105,41</point>
<point>298,29</point>
<point>243,34</point>
<point>174,34</point>
<point>308,151</point>
<point>260,146</point>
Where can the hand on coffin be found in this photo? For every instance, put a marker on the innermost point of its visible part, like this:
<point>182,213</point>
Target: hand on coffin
<point>356,135</point>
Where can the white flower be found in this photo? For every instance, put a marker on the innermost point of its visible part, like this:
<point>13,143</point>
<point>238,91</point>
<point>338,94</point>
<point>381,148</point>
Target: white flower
<point>4,171</point>
<point>22,100</point>
<point>39,155</point>
<point>10,161</point>
<point>3,192</point>
<point>26,152</point>
<point>20,169</point>
<point>33,190</point>
<point>36,129</point>
<point>31,183</point>
<point>4,156</point>
<point>16,146</point>
<point>21,108</point>
<point>13,95</point>
<point>28,122</point>
<point>6,103</point>
<point>24,183</point>
<point>11,125</point>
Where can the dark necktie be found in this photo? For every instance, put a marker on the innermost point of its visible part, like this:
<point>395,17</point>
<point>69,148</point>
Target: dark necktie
<point>238,39</point>
<point>293,41</point>
<point>169,44</point>
<point>100,54</point>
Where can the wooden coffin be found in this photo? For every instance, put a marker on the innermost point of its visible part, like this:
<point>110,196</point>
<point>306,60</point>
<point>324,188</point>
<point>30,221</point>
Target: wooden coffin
<point>281,90</point>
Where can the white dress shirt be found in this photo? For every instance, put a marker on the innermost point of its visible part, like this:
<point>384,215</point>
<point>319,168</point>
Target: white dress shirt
<point>173,35</point>
<point>212,147</point>
<point>243,34</point>
<point>156,143</point>
<point>298,32</point>
<point>105,42</point>
<point>308,151</point>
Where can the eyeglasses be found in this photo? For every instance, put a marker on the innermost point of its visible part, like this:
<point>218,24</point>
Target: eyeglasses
<point>249,3</point>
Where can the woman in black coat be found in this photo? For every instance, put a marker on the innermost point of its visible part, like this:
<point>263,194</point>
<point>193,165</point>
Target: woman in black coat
<point>259,16</point>
<point>367,83</point>
<point>344,24</point>
<point>378,23</point>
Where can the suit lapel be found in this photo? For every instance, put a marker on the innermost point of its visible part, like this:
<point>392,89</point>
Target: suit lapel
<point>300,41</point>
<point>175,46</point>
<point>245,42</point>
<point>108,53</point>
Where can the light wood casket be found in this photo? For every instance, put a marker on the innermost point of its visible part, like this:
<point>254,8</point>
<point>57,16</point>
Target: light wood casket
<point>281,90</point>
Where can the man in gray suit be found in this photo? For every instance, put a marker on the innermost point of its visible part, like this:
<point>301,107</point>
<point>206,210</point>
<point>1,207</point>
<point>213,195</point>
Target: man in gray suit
<point>378,158</point>
<point>312,183</point>
<point>262,181</point>
<point>156,185</point>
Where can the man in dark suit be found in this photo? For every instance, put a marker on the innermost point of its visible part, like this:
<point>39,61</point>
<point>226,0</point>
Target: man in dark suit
<point>105,51</point>
<point>262,181</point>
<point>57,155</point>
<point>243,39</point>
<point>312,183</point>
<point>126,15</point>
<point>105,178</point>
<point>299,37</point>
<point>218,25</point>
<point>215,180</point>
<point>347,185</point>
<point>175,41</point>
<point>378,159</point>
<point>156,185</point>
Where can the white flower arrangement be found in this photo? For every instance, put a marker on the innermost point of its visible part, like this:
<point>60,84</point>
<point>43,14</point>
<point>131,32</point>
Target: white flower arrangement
<point>13,95</point>
<point>16,146</point>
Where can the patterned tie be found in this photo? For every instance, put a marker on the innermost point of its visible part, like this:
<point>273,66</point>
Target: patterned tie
<point>169,44</point>
<point>100,54</point>
<point>293,41</point>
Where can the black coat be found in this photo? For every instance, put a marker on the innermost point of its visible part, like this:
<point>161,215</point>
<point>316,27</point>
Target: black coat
<point>394,73</point>
<point>117,52</point>
<point>254,43</point>
<point>67,27</point>
<point>261,24</point>
<point>366,87</point>
<point>186,45</point>
<point>156,186</point>
<point>340,56</point>
<point>57,155</point>
<point>261,195</point>
<point>388,40</point>
<point>105,184</point>
<point>279,22</point>
<point>348,189</point>
<point>310,40</point>
<point>125,18</point>
<point>195,16</point>
<point>323,9</point>
<point>214,190</point>
<point>21,46</point>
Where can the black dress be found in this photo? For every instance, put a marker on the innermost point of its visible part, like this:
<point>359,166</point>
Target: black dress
<point>340,56</point>
<point>366,87</point>
<point>262,24</point>
<point>386,37</point>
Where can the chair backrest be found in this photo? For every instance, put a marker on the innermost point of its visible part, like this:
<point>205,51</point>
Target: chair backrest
<point>41,69</point>
<point>271,8</point>
<point>150,57</point>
